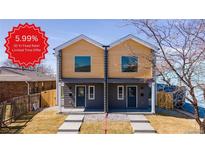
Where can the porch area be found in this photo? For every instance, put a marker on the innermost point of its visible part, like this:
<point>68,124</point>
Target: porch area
<point>123,95</point>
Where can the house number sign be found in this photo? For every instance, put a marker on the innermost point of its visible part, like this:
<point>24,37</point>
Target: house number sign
<point>26,45</point>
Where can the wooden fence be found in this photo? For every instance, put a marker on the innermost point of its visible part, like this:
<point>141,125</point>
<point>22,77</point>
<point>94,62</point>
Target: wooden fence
<point>48,98</point>
<point>165,100</point>
<point>11,109</point>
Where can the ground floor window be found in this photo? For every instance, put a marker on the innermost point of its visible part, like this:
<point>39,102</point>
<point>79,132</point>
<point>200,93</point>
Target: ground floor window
<point>120,92</point>
<point>91,92</point>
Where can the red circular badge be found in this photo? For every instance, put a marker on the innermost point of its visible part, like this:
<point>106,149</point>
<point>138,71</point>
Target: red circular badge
<point>26,45</point>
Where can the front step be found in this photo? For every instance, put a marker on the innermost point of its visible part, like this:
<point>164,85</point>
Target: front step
<point>139,121</point>
<point>137,118</point>
<point>71,132</point>
<point>142,128</point>
<point>144,131</point>
<point>70,126</point>
<point>74,118</point>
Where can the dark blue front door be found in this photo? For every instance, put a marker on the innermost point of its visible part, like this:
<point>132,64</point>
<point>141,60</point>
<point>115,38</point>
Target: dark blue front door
<point>80,96</point>
<point>131,97</point>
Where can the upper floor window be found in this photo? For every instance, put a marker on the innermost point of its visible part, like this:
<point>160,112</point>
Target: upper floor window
<point>129,64</point>
<point>82,64</point>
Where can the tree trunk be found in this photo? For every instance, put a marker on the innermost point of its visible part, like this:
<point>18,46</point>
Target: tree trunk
<point>202,129</point>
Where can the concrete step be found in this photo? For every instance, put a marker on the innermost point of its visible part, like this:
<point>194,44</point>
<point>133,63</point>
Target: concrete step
<point>145,132</point>
<point>137,118</point>
<point>142,127</point>
<point>70,126</point>
<point>139,121</point>
<point>73,132</point>
<point>74,118</point>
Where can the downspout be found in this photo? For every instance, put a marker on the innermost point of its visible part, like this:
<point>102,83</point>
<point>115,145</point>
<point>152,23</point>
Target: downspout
<point>58,97</point>
<point>154,84</point>
<point>105,78</point>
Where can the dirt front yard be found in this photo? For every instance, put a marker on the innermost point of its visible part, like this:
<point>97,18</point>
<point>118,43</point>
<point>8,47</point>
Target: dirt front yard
<point>113,127</point>
<point>172,122</point>
<point>46,121</point>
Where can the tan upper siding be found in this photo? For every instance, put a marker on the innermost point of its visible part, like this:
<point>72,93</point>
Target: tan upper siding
<point>126,48</point>
<point>81,48</point>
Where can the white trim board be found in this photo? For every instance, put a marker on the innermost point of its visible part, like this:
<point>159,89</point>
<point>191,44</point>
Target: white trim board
<point>76,39</point>
<point>136,39</point>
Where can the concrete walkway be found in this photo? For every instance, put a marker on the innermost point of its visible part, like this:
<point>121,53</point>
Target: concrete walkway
<point>140,124</point>
<point>71,124</point>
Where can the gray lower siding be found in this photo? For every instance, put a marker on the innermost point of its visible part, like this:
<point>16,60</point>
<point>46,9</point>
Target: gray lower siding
<point>69,96</point>
<point>143,95</point>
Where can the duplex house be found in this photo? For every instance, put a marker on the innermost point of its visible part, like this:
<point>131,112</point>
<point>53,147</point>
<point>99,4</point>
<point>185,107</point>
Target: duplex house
<point>115,77</point>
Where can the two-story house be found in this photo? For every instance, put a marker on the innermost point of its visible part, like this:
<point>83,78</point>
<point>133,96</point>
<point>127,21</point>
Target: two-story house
<point>117,77</point>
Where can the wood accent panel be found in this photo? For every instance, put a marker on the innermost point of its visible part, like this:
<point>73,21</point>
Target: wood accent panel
<point>81,48</point>
<point>130,48</point>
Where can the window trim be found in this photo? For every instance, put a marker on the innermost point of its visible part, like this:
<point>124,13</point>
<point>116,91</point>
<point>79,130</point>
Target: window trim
<point>91,98</point>
<point>82,56</point>
<point>129,56</point>
<point>118,98</point>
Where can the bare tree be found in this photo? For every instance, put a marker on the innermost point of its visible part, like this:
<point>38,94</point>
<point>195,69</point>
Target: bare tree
<point>45,69</point>
<point>181,55</point>
<point>9,63</point>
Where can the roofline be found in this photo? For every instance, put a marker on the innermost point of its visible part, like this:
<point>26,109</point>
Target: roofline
<point>9,69</point>
<point>12,69</point>
<point>26,80</point>
<point>16,68</point>
<point>130,36</point>
<point>80,37</point>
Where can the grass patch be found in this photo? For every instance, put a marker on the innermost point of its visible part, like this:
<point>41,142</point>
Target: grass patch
<point>46,121</point>
<point>172,122</point>
<point>98,127</point>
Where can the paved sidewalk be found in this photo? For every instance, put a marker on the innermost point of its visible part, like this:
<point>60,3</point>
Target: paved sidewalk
<point>71,125</point>
<point>140,124</point>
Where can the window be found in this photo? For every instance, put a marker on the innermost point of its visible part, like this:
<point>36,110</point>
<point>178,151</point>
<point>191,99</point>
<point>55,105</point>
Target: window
<point>120,92</point>
<point>82,64</point>
<point>129,64</point>
<point>91,92</point>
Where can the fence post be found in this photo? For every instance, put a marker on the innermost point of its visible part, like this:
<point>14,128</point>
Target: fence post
<point>40,105</point>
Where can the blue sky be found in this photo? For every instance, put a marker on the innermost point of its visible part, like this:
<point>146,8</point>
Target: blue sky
<point>60,31</point>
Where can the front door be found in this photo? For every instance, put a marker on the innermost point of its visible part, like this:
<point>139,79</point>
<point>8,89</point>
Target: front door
<point>80,96</point>
<point>132,97</point>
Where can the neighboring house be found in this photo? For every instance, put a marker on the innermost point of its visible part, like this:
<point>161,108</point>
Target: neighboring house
<point>118,77</point>
<point>18,82</point>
